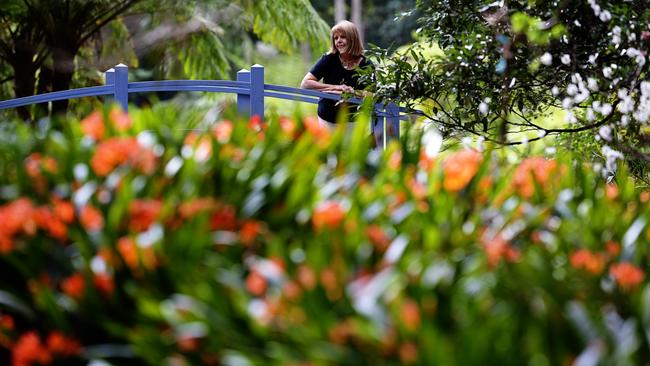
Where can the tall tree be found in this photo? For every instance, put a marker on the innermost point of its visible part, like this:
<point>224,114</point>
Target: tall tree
<point>356,16</point>
<point>339,10</point>
<point>40,40</point>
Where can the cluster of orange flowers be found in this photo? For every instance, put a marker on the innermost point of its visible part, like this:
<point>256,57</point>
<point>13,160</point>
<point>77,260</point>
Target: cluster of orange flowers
<point>497,249</point>
<point>95,127</point>
<point>459,168</point>
<point>531,172</point>
<point>22,217</point>
<point>116,151</point>
<point>626,275</point>
<point>30,349</point>
<point>328,215</point>
<point>75,285</point>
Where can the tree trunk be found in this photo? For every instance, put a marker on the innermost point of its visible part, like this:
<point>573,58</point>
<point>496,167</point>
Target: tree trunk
<point>339,10</point>
<point>24,73</point>
<point>357,7</point>
<point>63,69</point>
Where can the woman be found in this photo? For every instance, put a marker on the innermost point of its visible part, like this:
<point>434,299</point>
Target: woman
<point>338,71</point>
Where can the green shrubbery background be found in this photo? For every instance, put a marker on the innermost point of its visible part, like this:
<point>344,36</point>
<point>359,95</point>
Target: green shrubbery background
<point>133,240</point>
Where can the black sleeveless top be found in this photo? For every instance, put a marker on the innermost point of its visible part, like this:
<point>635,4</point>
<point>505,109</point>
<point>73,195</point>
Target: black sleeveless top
<point>330,69</point>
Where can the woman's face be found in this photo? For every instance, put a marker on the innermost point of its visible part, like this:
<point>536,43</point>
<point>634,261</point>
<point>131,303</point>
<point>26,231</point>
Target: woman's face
<point>340,42</point>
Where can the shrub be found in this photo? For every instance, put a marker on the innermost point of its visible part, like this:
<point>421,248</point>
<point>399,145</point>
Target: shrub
<point>132,240</point>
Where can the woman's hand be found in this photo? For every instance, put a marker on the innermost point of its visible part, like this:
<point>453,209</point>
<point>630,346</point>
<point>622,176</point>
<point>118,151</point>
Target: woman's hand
<point>338,89</point>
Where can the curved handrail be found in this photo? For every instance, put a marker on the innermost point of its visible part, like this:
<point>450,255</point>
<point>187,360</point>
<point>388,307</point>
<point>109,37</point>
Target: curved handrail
<point>57,95</point>
<point>249,88</point>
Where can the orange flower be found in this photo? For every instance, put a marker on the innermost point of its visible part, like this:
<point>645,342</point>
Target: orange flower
<point>249,231</point>
<point>611,191</point>
<point>91,218</point>
<point>627,275</point>
<point>120,119</point>
<point>256,283</point>
<point>120,150</point>
<point>315,129</point>
<point>143,213</point>
<point>129,252</point>
<point>224,219</point>
<point>7,322</point>
<point>29,350</point>
<point>36,163</point>
<point>93,126</point>
<point>530,171</point>
<point>341,332</point>
<point>18,217</point>
<point>222,131</point>
<point>328,215</point>
<point>104,283</point>
<point>426,162</point>
<point>613,248</point>
<point>60,345</point>
<point>410,315</point>
<point>63,210</point>
<point>459,168</point>
<point>133,255</point>
<point>408,352</point>
<point>74,286</point>
<point>196,206</point>
<point>256,123</point>
<point>306,277</point>
<point>6,325</point>
<point>287,126</point>
<point>201,145</point>
<point>378,237</point>
<point>588,261</point>
<point>497,248</point>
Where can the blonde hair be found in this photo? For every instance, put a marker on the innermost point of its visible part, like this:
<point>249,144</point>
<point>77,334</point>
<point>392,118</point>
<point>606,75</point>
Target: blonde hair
<point>351,33</point>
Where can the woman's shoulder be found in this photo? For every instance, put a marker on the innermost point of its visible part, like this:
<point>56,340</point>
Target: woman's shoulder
<point>329,56</point>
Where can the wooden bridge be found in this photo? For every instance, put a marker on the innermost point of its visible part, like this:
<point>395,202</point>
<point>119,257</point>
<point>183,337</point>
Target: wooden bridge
<point>249,87</point>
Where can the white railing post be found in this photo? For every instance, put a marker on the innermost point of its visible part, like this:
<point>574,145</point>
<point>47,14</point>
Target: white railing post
<point>257,91</point>
<point>109,78</point>
<point>244,100</point>
<point>121,82</point>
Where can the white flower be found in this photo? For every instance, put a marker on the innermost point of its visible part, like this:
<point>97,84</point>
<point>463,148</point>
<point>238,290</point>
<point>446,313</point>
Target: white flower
<point>572,89</point>
<point>607,72</point>
<point>567,103</point>
<point>606,133</point>
<point>592,84</point>
<point>566,59</point>
<point>625,120</point>
<point>591,116</point>
<point>581,97</point>
<point>605,16</point>
<point>611,156</point>
<point>606,109</point>
<point>555,91</point>
<point>592,58</point>
<point>546,59</point>
<point>483,109</point>
<point>570,117</point>
<point>596,8</point>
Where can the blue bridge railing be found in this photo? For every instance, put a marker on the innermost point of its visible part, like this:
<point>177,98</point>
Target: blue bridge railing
<point>249,88</point>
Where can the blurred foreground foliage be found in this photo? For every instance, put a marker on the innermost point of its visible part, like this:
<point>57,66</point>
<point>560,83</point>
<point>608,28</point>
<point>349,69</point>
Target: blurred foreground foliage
<point>132,240</point>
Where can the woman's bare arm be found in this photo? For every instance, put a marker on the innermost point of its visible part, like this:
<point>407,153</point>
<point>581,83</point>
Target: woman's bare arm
<point>310,82</point>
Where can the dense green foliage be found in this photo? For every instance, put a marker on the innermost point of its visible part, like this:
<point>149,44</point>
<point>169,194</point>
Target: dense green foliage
<point>506,65</point>
<point>137,241</point>
<point>51,45</point>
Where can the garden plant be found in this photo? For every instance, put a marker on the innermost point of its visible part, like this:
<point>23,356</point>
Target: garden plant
<point>127,239</point>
